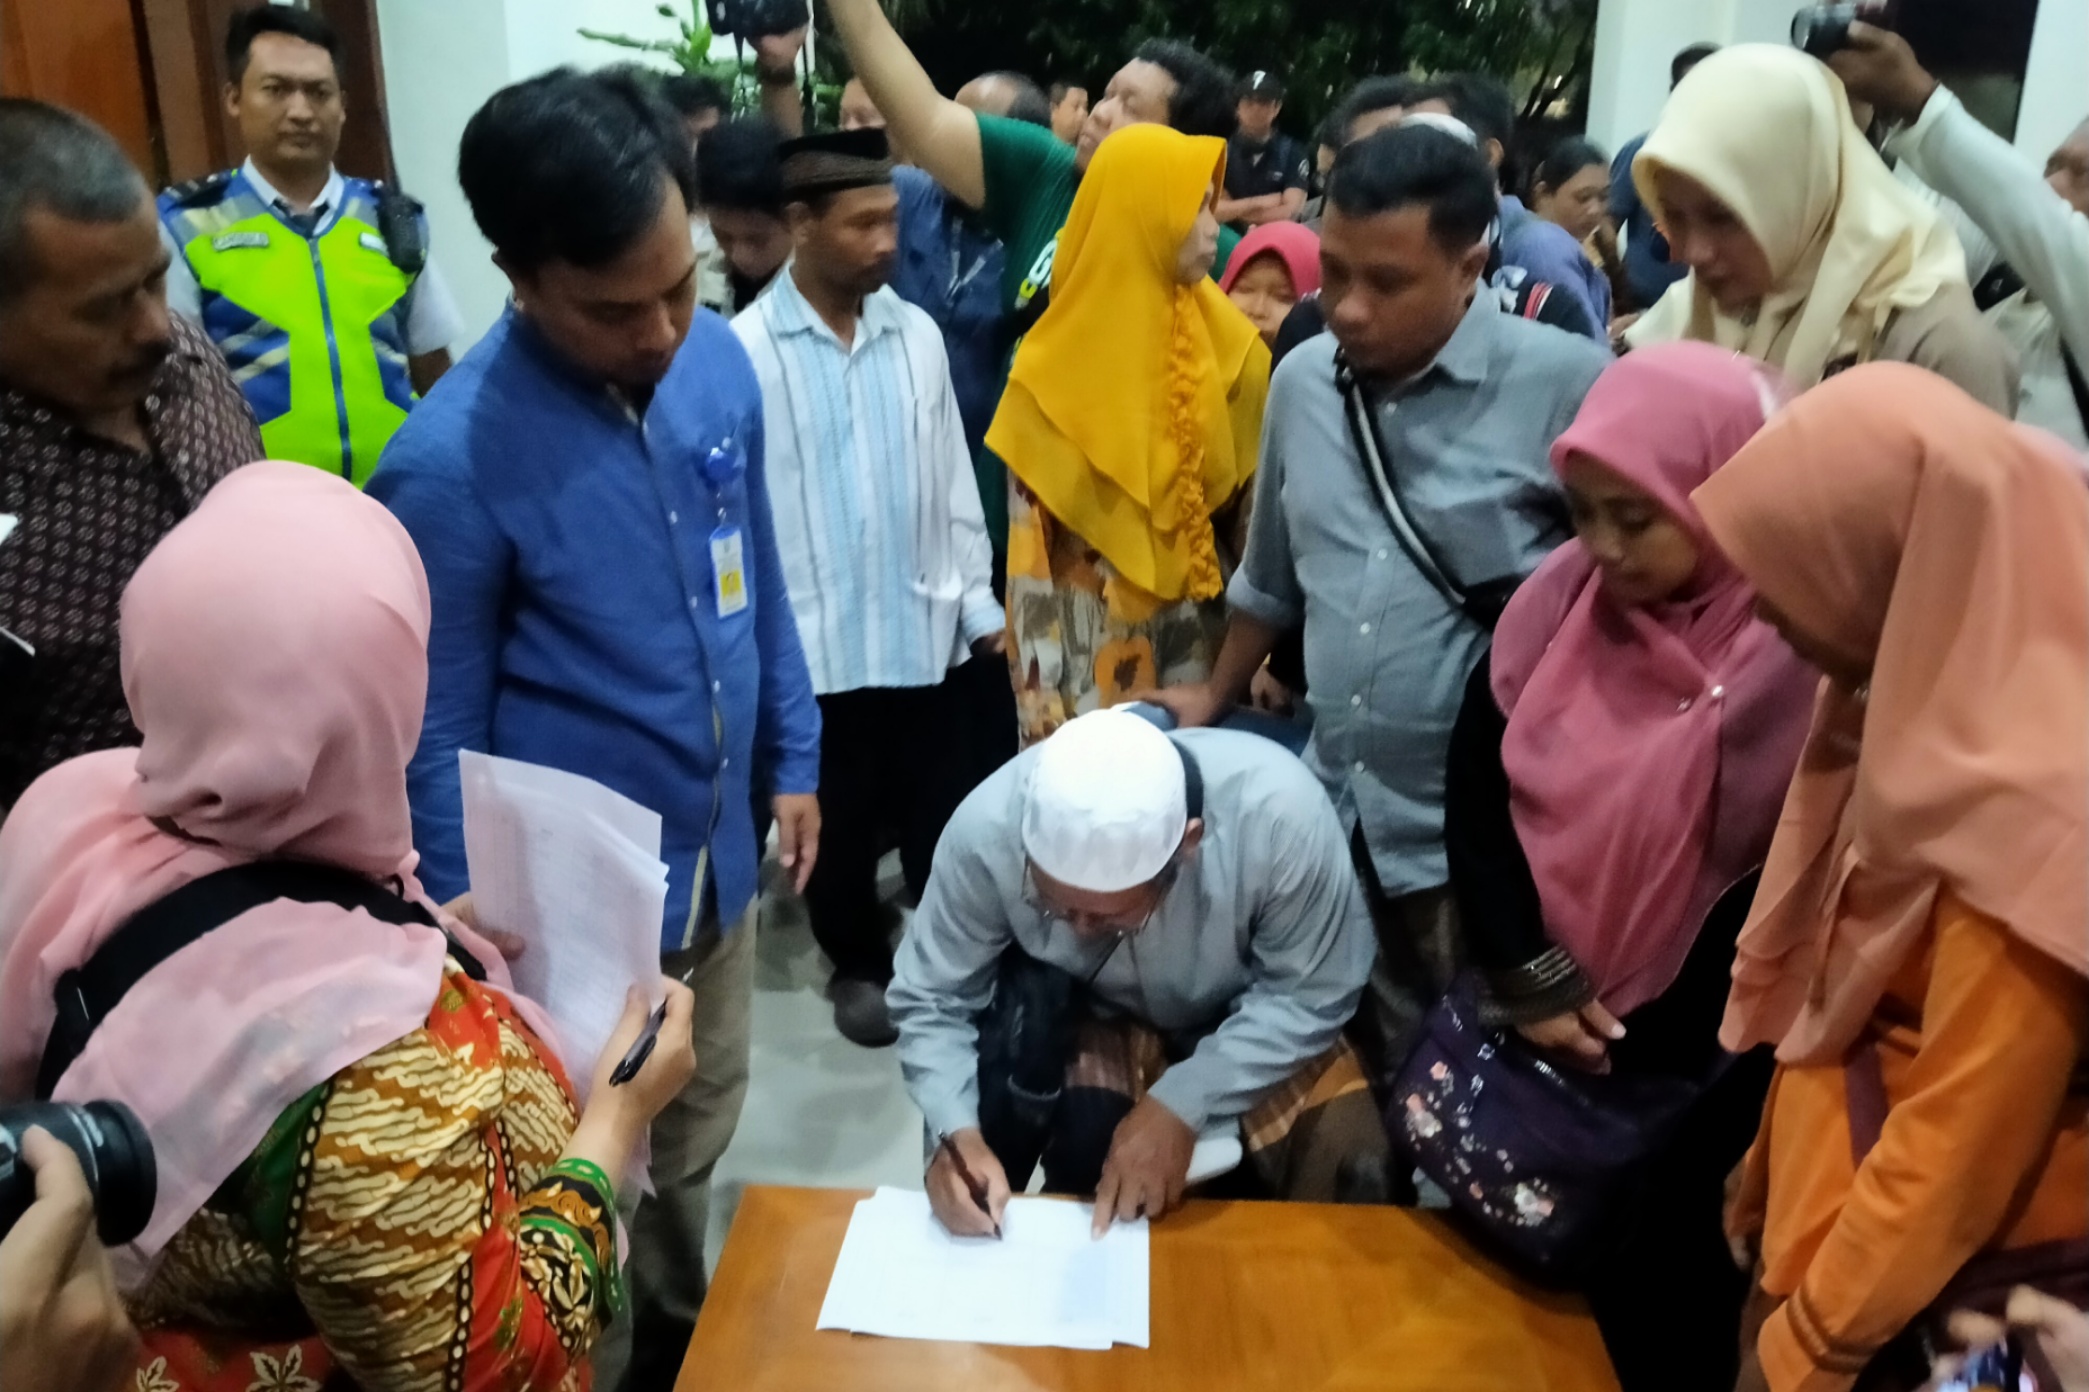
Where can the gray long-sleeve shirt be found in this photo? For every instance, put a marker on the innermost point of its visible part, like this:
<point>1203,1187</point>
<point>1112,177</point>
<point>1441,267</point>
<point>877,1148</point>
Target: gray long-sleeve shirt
<point>1263,940</point>
<point>2034,229</point>
<point>1387,657</point>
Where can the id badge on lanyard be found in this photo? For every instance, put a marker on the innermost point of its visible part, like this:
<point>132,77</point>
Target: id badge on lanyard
<point>721,467</point>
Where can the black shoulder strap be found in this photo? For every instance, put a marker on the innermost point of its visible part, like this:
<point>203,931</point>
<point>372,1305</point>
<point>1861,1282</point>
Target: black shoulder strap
<point>2075,384</point>
<point>1483,606</point>
<point>86,994</point>
<point>1192,780</point>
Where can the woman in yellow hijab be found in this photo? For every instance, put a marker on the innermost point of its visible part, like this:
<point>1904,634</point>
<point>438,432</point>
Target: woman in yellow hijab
<point>1133,416</point>
<point>1804,250</point>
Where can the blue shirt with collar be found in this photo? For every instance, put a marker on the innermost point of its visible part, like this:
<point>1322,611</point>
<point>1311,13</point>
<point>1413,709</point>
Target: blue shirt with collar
<point>1648,267</point>
<point>568,542</point>
<point>1549,252</point>
<point>951,268</point>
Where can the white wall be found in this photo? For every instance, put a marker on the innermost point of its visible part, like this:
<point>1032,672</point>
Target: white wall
<point>442,60</point>
<point>1635,39</point>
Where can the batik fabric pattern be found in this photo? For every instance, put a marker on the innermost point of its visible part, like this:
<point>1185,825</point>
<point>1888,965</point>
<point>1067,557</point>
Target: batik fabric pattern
<point>408,1226</point>
<point>1080,636</point>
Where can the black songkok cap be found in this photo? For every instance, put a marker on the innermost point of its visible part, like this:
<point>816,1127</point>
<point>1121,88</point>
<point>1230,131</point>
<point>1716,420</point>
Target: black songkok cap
<point>818,164</point>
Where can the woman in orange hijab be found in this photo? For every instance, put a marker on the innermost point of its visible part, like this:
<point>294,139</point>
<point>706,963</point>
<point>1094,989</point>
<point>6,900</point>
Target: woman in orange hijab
<point>1133,416</point>
<point>1919,950</point>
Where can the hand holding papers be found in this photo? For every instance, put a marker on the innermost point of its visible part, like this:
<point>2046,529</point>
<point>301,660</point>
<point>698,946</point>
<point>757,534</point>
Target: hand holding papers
<point>574,870</point>
<point>1048,1283</point>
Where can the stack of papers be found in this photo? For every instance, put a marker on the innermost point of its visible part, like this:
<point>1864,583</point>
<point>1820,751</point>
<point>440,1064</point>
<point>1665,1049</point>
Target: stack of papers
<point>1046,1284</point>
<point>574,870</point>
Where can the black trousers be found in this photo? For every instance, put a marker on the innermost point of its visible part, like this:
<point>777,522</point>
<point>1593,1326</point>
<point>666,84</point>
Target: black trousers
<point>894,764</point>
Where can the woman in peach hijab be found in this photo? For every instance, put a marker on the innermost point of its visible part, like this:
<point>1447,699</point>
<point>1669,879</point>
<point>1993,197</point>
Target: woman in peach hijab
<point>373,1168</point>
<point>1919,951</point>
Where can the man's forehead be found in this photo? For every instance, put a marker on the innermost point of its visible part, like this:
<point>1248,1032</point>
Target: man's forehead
<point>286,55</point>
<point>1149,78</point>
<point>91,258</point>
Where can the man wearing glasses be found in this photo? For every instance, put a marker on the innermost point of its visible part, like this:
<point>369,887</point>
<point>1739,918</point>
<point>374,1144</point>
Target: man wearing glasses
<point>1131,940</point>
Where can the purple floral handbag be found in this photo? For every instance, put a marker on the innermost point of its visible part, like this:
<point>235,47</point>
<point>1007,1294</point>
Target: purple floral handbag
<point>1536,1159</point>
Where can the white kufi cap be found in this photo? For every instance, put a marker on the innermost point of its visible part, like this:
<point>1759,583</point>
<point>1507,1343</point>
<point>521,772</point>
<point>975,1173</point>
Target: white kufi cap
<point>1108,803</point>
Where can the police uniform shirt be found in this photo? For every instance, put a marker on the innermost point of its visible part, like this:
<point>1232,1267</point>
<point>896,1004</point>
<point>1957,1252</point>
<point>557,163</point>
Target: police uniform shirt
<point>1254,170</point>
<point>432,320</point>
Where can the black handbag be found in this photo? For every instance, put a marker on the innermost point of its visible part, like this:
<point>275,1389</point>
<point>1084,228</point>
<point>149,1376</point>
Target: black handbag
<point>1482,603</point>
<point>1539,1161</point>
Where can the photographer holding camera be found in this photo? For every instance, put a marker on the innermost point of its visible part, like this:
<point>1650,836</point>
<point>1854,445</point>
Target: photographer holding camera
<point>2039,224</point>
<point>62,1324</point>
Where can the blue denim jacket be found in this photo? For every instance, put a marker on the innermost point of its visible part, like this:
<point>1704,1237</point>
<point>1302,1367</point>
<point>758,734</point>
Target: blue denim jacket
<point>568,541</point>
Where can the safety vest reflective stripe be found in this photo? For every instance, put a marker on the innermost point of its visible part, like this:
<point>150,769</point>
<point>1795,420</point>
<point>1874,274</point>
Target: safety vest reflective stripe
<point>314,327</point>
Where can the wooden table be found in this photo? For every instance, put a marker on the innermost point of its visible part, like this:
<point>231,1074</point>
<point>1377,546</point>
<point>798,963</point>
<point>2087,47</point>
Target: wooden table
<point>1290,1297</point>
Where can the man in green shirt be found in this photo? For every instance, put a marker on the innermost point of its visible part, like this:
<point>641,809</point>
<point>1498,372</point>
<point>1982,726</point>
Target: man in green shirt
<point>1021,178</point>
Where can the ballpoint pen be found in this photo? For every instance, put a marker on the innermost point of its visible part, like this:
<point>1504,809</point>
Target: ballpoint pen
<point>973,1184</point>
<point>642,1049</point>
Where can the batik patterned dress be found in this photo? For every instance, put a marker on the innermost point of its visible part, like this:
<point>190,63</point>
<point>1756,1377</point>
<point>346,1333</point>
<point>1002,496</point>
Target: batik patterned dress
<point>1080,636</point>
<point>407,1226</point>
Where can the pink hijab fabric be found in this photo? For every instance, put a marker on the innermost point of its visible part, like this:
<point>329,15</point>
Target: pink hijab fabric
<point>1298,247</point>
<point>1648,749</point>
<point>275,659</point>
<point>1898,523</point>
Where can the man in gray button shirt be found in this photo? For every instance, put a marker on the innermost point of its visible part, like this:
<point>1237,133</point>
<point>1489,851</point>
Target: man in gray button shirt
<point>1467,401</point>
<point>1127,941</point>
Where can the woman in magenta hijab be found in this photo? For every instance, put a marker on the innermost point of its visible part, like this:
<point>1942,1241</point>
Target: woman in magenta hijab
<point>1619,764</point>
<point>373,1168</point>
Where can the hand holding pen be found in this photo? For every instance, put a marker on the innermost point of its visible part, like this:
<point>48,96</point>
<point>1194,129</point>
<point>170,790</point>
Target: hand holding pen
<point>649,1058</point>
<point>967,1188</point>
<point>635,1057</point>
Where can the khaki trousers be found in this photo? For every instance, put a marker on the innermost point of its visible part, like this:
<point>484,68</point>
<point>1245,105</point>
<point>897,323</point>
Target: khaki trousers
<point>665,1273</point>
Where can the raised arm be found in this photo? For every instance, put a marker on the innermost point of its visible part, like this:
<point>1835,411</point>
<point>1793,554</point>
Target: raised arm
<point>938,134</point>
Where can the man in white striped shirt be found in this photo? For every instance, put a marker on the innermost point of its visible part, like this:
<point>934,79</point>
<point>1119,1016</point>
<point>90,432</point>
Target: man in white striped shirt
<point>884,548</point>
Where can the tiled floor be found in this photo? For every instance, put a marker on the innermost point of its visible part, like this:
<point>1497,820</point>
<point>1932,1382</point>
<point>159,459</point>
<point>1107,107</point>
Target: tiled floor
<point>820,1111</point>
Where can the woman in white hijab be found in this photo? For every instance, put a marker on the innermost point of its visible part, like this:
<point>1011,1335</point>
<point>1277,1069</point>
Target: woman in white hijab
<point>1804,250</point>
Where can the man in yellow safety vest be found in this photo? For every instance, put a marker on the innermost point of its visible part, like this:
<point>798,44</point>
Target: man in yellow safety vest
<point>316,287</point>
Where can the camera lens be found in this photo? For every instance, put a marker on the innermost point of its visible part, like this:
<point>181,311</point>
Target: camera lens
<point>114,1153</point>
<point>1823,30</point>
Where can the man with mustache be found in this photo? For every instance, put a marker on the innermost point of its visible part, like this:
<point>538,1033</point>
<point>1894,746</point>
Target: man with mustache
<point>115,419</point>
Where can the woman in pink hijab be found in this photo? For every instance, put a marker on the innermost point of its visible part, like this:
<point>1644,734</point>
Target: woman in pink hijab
<point>371,1161</point>
<point>1919,952</point>
<point>1617,768</point>
<point>1274,267</point>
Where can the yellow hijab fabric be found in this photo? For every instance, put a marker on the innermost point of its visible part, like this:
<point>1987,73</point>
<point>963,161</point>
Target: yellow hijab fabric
<point>1768,131</point>
<point>1134,410</point>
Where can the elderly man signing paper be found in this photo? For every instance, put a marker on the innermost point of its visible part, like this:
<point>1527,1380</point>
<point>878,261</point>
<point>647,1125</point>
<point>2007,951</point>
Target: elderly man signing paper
<point>1130,939</point>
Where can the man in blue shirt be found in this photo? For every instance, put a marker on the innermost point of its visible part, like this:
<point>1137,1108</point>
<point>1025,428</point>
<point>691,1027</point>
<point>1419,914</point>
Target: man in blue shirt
<point>1544,250</point>
<point>587,492</point>
<point>1648,270</point>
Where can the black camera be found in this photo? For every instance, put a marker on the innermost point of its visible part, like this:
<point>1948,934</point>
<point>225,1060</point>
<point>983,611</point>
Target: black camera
<point>759,19</point>
<point>1824,30</point>
<point>114,1152</point>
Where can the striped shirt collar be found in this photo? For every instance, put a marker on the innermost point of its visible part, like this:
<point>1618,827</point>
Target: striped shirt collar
<point>793,315</point>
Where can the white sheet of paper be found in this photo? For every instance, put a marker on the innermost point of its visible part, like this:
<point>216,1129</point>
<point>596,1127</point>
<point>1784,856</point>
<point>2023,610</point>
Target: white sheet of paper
<point>1046,1284</point>
<point>574,870</point>
<point>7,526</point>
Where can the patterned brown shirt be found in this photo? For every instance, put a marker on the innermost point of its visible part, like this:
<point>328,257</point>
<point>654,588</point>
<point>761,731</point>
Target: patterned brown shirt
<point>89,512</point>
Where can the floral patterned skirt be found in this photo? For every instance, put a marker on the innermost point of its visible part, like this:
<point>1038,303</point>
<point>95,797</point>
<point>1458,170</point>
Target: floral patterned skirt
<point>1080,636</point>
